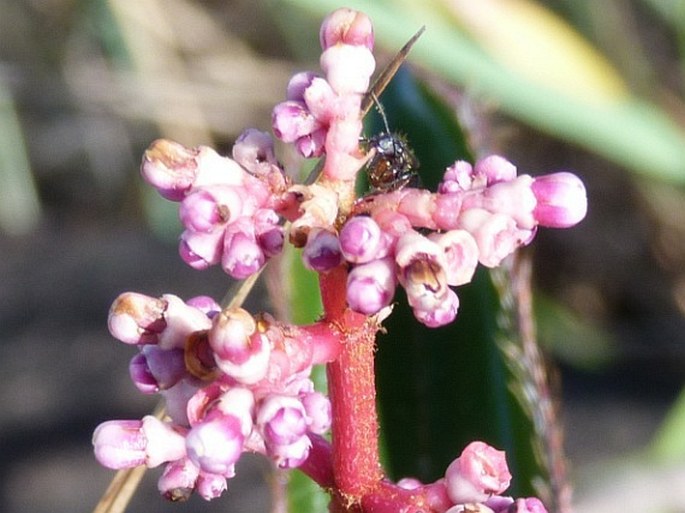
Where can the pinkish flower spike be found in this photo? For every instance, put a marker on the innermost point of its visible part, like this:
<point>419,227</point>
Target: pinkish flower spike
<point>480,471</point>
<point>561,200</point>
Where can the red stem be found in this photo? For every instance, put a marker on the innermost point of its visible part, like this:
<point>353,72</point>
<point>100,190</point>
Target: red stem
<point>351,387</point>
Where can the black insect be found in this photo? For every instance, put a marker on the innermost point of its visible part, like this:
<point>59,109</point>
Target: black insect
<point>393,164</point>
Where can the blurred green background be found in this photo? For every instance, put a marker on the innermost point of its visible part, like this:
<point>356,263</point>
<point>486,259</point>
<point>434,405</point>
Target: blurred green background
<point>85,86</point>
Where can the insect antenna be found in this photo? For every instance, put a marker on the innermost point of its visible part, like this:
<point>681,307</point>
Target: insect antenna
<point>381,111</point>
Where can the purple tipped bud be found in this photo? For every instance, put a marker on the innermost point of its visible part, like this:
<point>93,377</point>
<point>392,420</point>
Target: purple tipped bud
<point>561,200</point>
<point>136,318</point>
<point>281,420</point>
<point>215,445</point>
<point>242,255</point>
<point>371,286</point>
<point>170,168</point>
<point>229,336</point>
<point>178,480</point>
<point>361,240</point>
<point>240,351</point>
<point>155,369</point>
<point>348,27</point>
<point>270,235</point>
<point>207,209</point>
<point>321,253</point>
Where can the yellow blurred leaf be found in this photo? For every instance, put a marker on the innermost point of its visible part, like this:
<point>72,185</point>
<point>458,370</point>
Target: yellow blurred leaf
<point>529,39</point>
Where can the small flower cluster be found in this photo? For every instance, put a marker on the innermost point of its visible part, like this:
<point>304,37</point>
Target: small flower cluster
<point>480,213</point>
<point>232,383</point>
<point>226,205</point>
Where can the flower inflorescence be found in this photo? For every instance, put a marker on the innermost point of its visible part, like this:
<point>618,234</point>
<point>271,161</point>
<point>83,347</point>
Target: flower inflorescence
<point>236,382</point>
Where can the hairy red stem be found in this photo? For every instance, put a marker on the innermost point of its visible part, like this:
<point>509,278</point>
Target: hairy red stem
<point>351,387</point>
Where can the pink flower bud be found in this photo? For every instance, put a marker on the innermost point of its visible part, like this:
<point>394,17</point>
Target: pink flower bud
<point>513,198</point>
<point>318,409</point>
<point>441,314</point>
<point>201,250</point>
<point>181,321</point>
<point>312,145</point>
<point>457,178</point>
<point>291,120</point>
<point>297,85</point>
<point>346,26</point>
<point>229,336</point>
<point>269,233</point>
<point>178,480</point>
<point>361,240</point>
<point>495,169</point>
<point>321,100</point>
<point>210,486</point>
<point>205,304</point>
<point>421,272</point>
<point>322,251</point>
<point>495,234</point>
<point>128,443</point>
<point>170,168</point>
<point>254,150</point>
<point>371,286</point>
<point>155,369</point>
<point>292,455</point>
<point>561,200</point>
<point>242,255</point>
<point>480,471</point>
<point>207,209</point>
<point>461,255</point>
<point>215,445</point>
<point>281,420</point>
<point>136,318</point>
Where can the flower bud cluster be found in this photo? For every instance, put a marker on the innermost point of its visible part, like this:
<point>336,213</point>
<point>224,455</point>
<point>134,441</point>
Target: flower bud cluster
<point>322,115</point>
<point>474,483</point>
<point>232,383</point>
<point>480,213</point>
<point>227,206</point>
